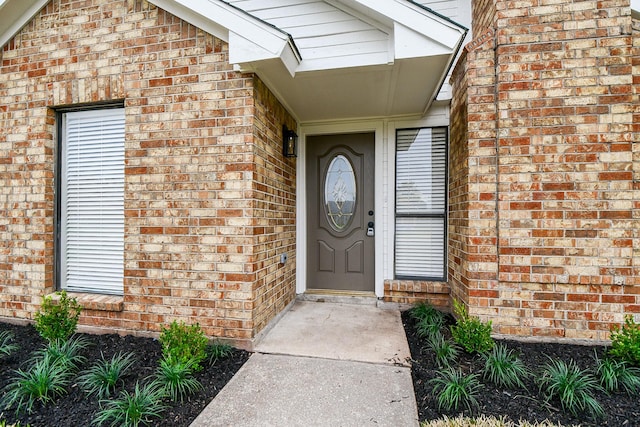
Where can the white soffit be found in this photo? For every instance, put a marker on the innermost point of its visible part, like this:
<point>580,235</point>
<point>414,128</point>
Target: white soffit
<point>635,8</point>
<point>15,14</point>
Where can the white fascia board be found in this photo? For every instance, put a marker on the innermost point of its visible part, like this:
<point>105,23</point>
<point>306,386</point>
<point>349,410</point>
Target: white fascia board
<point>418,19</point>
<point>15,14</point>
<point>411,44</point>
<point>233,25</point>
<point>244,53</point>
<point>635,8</point>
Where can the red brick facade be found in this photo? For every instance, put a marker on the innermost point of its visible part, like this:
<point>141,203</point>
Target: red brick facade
<point>209,198</point>
<point>544,169</point>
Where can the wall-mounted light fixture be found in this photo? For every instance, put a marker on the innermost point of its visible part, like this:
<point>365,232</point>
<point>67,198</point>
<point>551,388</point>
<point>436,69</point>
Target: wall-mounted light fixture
<point>289,142</point>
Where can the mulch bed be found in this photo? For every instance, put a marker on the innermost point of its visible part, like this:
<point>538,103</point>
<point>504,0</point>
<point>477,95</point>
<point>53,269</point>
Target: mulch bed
<point>76,409</point>
<point>620,408</point>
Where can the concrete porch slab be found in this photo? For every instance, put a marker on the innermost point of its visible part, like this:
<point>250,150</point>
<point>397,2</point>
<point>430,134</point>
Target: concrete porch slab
<point>360,333</point>
<point>278,390</point>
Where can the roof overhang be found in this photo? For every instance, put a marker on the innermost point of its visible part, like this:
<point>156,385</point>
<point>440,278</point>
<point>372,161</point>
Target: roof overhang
<point>15,14</point>
<point>635,9</point>
<point>421,48</point>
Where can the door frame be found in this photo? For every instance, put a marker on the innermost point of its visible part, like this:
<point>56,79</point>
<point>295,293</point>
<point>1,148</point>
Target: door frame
<point>377,127</point>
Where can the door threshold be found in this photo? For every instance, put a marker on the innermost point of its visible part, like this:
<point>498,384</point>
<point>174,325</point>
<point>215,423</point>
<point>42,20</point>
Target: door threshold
<point>339,297</point>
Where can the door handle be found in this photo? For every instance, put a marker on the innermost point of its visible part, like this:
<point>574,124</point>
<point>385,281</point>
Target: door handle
<point>370,229</point>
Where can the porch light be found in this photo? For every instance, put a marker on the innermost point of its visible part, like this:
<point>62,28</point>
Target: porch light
<point>289,142</point>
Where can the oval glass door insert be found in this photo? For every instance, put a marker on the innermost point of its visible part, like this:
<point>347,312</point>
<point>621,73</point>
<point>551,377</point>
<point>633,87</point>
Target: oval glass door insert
<point>340,192</point>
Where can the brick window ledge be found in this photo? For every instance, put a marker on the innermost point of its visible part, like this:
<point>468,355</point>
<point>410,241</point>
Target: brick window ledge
<point>95,301</point>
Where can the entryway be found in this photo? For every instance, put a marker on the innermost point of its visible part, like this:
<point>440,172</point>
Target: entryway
<point>340,212</point>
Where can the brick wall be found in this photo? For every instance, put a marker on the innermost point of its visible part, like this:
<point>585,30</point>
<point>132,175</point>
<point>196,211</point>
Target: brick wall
<point>567,208</point>
<point>203,168</point>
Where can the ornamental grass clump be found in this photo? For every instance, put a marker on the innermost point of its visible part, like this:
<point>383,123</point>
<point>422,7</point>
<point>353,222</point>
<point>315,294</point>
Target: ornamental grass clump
<point>176,379</point>
<point>453,388</point>
<point>625,342</point>
<point>6,345</point>
<point>217,351</point>
<point>57,320</point>
<point>445,351</point>
<point>183,343</point>
<point>615,375</point>
<point>504,368</point>
<point>45,380</point>
<point>68,353</point>
<point>141,406</point>
<point>429,321</point>
<point>469,332</point>
<point>573,387</point>
<point>102,378</point>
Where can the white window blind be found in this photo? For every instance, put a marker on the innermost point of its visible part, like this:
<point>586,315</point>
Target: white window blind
<point>92,201</point>
<point>421,201</point>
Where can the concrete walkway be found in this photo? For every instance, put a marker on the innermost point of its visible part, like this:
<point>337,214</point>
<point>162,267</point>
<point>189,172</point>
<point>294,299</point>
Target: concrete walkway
<point>322,364</point>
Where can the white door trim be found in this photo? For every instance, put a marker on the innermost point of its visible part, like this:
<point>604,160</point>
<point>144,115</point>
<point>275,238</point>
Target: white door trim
<point>376,126</point>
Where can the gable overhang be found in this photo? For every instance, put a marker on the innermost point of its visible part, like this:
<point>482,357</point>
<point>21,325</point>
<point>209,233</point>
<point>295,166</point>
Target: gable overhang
<point>635,9</point>
<point>404,80</point>
<point>15,14</point>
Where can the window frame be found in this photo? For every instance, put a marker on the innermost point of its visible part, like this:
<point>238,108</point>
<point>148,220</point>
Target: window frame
<point>59,174</point>
<point>443,215</point>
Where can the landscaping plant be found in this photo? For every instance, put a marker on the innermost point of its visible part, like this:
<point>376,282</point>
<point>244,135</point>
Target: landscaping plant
<point>572,386</point>
<point>101,379</point>
<point>471,333</point>
<point>614,375</point>
<point>44,381</point>
<point>444,350</point>
<point>57,320</point>
<point>65,352</point>
<point>218,350</point>
<point>184,344</point>
<point>132,409</point>
<point>453,388</point>
<point>503,368</point>
<point>176,379</point>
<point>625,342</point>
<point>6,345</point>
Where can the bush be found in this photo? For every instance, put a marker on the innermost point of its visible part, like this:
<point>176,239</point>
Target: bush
<point>503,368</point>
<point>625,342</point>
<point>472,334</point>
<point>184,344</point>
<point>57,320</point>
<point>572,386</point>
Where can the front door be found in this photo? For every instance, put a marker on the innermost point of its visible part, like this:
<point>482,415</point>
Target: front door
<point>341,222</point>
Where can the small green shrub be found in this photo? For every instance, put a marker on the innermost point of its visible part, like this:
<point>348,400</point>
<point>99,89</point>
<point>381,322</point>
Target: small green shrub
<point>472,334</point>
<point>132,409</point>
<point>6,345</point>
<point>44,381</point>
<point>429,327</point>
<point>57,320</point>
<point>176,379</point>
<point>625,342</point>
<point>572,386</point>
<point>218,350</point>
<point>503,368</point>
<point>614,375</point>
<point>453,388</point>
<point>101,379</point>
<point>444,350</point>
<point>183,343</point>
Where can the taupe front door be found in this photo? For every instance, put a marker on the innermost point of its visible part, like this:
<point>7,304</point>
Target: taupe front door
<point>341,217</point>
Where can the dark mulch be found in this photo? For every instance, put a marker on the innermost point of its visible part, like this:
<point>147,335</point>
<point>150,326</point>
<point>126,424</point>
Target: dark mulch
<point>620,409</point>
<point>76,409</point>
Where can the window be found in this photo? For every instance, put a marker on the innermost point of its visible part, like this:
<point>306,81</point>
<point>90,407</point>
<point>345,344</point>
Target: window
<point>421,194</point>
<point>91,201</point>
